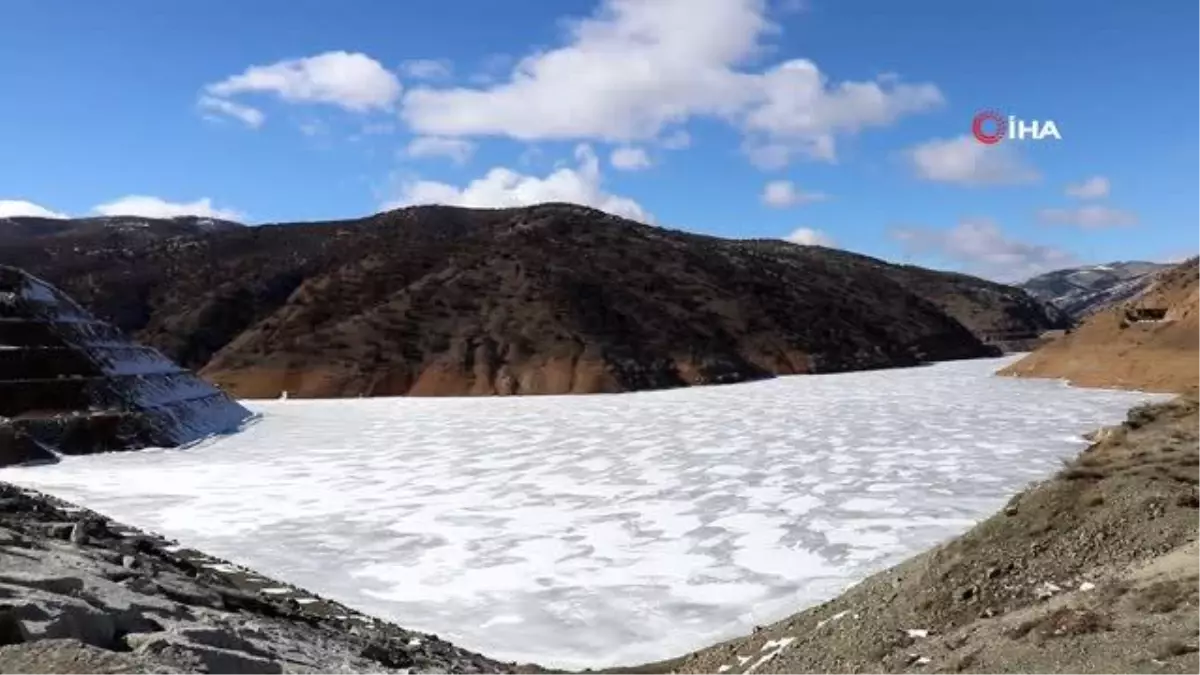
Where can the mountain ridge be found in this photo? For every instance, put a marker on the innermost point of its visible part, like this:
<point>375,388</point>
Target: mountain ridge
<point>1080,291</point>
<point>553,298</point>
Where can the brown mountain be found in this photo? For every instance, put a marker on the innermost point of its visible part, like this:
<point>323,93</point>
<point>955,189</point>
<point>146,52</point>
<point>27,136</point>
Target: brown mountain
<point>546,299</point>
<point>1147,343</point>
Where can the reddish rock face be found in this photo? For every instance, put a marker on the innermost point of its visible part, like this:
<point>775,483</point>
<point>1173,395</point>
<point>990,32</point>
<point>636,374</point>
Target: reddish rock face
<point>70,384</point>
<point>550,299</point>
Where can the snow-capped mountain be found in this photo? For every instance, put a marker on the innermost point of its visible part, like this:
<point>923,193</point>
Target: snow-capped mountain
<point>1079,291</point>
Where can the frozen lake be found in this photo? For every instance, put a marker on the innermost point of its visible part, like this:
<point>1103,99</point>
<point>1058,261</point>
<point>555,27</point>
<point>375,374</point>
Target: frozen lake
<point>601,530</point>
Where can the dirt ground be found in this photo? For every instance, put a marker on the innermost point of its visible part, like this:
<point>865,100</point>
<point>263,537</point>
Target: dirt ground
<point>1092,571</point>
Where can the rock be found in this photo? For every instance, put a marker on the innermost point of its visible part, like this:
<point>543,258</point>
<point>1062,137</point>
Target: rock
<point>129,562</point>
<point>65,617</point>
<point>69,656</point>
<point>389,656</point>
<point>176,648</point>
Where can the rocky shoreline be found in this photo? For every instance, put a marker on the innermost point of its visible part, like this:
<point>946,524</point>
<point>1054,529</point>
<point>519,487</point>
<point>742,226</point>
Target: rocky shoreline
<point>82,593</point>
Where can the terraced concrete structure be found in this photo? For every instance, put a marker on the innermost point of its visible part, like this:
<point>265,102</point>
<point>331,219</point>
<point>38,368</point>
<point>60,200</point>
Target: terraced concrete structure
<point>71,384</point>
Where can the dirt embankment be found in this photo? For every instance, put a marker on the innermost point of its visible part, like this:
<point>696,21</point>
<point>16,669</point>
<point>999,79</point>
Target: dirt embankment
<point>1094,570</point>
<point>1130,346</point>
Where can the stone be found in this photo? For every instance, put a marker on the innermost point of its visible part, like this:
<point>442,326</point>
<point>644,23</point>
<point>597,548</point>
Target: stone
<point>69,656</point>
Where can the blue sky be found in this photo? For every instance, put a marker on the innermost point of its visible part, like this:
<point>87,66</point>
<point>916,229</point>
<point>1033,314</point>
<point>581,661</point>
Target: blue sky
<point>840,121</point>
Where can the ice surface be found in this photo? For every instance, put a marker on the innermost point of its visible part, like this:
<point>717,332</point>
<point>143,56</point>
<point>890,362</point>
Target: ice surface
<point>600,530</point>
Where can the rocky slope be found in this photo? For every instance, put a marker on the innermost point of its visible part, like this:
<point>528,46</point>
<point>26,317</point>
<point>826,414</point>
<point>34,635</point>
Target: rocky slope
<point>1079,291</point>
<point>81,594</point>
<point>547,299</point>
<point>1148,342</point>
<point>1093,570</point>
<point>71,384</point>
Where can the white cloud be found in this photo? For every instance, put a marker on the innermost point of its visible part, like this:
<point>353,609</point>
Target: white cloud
<point>14,208</point>
<point>809,237</point>
<point>503,187</point>
<point>1092,217</point>
<point>799,111</point>
<point>1096,187</point>
<point>980,247</point>
<point>153,207</point>
<point>629,159</point>
<point>427,69</point>
<point>456,149</point>
<point>676,140</point>
<point>784,193</point>
<point>634,68</point>
<point>352,81</point>
<point>966,161</point>
<point>250,116</point>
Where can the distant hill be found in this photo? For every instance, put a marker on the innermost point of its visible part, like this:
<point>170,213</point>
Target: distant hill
<point>1079,291</point>
<point>552,298</point>
<point>1147,342</point>
<point>27,228</point>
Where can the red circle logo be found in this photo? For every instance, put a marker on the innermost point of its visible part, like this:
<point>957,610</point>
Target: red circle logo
<point>989,127</point>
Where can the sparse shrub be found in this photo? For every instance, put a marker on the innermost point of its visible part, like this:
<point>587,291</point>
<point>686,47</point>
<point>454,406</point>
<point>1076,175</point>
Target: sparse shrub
<point>1077,472</point>
<point>1190,501</point>
<point>1163,597</point>
<point>1174,648</point>
<point>1063,622</point>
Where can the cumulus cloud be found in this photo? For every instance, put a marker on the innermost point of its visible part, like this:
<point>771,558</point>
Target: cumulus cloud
<point>966,161</point>
<point>635,68</point>
<point>455,149</point>
<point>1096,187</point>
<point>250,116</point>
<point>154,207</point>
<point>1093,217</point>
<point>980,247</point>
<point>349,80</point>
<point>809,237</point>
<point>427,69</point>
<point>784,193</point>
<point>629,159</point>
<point>503,187</point>
<point>799,112</point>
<point>14,208</point>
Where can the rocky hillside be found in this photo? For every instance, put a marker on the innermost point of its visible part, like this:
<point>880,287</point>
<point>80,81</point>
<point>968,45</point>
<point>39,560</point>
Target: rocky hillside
<point>1092,571</point>
<point>547,299</point>
<point>82,594</point>
<point>1148,342</point>
<point>103,230</point>
<point>1079,291</point>
<point>70,384</point>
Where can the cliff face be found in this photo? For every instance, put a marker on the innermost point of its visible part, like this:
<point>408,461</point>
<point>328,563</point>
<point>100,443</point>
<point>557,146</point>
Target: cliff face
<point>1080,291</point>
<point>74,385</point>
<point>547,299</point>
<point>1148,342</point>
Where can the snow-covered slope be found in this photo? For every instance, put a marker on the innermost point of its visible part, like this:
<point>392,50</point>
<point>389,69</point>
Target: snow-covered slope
<point>72,384</point>
<point>1079,291</point>
<point>599,530</point>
